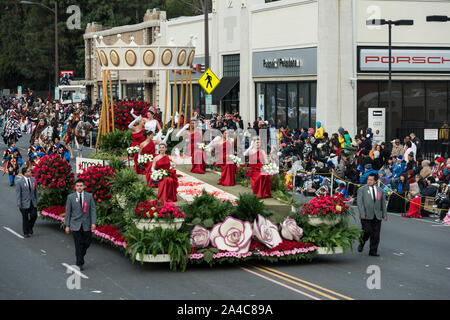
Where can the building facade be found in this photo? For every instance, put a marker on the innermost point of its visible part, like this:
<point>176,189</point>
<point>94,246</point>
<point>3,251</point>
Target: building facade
<point>295,62</point>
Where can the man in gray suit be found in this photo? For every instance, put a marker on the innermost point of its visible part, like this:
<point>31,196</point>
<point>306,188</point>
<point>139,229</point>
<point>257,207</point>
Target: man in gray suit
<point>81,218</point>
<point>27,199</point>
<point>372,210</point>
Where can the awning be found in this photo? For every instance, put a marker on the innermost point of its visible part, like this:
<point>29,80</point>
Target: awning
<point>225,86</point>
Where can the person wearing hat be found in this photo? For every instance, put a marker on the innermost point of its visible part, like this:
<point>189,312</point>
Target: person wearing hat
<point>411,164</point>
<point>438,170</point>
<point>426,170</point>
<point>319,132</point>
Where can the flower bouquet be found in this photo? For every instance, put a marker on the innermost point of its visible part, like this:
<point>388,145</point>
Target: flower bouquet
<point>151,214</point>
<point>143,159</point>
<point>160,174</point>
<point>133,150</point>
<point>270,169</point>
<point>236,160</point>
<point>202,146</point>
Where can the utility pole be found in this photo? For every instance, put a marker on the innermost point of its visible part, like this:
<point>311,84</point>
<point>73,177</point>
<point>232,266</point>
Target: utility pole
<point>205,7</point>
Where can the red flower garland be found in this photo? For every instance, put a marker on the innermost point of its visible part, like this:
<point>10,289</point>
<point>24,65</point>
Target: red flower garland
<point>122,112</point>
<point>325,205</point>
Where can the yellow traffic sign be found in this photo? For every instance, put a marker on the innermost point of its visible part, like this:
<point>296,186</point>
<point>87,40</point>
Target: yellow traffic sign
<point>209,81</point>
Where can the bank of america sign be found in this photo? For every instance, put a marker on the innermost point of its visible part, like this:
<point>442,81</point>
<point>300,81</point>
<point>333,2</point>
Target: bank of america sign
<point>404,60</point>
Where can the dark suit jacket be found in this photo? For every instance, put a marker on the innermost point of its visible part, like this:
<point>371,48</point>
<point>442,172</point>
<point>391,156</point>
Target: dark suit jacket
<point>75,215</point>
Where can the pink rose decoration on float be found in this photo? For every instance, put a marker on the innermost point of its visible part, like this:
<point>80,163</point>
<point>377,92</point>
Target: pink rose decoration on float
<point>266,232</point>
<point>200,237</point>
<point>290,230</point>
<point>232,235</point>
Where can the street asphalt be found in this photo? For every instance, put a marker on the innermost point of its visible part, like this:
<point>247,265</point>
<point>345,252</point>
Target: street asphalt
<point>414,264</point>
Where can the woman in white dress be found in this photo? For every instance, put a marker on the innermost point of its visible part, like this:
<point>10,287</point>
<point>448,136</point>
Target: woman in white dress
<point>151,123</point>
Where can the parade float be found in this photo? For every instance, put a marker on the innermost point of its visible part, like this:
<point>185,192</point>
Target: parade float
<point>207,225</point>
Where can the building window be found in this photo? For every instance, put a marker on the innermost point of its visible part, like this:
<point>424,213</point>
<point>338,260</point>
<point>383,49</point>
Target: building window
<point>231,65</point>
<point>198,100</point>
<point>291,104</point>
<point>416,105</point>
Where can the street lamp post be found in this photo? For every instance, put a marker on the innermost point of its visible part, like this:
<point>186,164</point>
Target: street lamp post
<point>55,12</point>
<point>390,23</point>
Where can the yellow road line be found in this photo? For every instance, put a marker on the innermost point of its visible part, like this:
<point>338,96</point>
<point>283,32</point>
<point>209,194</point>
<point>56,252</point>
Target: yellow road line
<point>296,283</point>
<point>306,282</point>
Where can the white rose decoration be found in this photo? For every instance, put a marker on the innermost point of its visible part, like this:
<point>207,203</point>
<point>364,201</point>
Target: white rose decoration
<point>266,232</point>
<point>290,230</point>
<point>232,235</point>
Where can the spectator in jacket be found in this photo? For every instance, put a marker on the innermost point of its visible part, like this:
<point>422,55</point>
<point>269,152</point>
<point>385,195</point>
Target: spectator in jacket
<point>426,170</point>
<point>397,148</point>
<point>398,168</point>
<point>319,132</point>
<point>368,170</point>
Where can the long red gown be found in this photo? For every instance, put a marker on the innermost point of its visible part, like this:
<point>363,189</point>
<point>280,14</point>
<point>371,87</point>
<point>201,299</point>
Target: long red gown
<point>148,149</point>
<point>136,140</point>
<point>261,184</point>
<point>197,156</point>
<point>167,187</point>
<point>414,209</point>
<point>228,176</point>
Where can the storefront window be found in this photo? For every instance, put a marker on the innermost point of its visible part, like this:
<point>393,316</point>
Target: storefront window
<point>313,105</point>
<point>292,106</point>
<point>281,105</point>
<point>270,101</point>
<point>396,105</point>
<point>414,101</point>
<point>436,93</point>
<point>367,98</point>
<point>260,100</point>
<point>303,101</point>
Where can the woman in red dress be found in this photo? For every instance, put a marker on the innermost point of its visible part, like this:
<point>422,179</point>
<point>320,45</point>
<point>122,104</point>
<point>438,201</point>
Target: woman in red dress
<point>137,136</point>
<point>260,181</point>
<point>197,155</point>
<point>146,147</point>
<point>228,176</point>
<point>167,187</point>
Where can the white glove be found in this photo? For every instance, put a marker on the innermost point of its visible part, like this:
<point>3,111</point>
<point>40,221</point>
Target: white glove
<point>158,136</point>
<point>137,119</point>
<point>181,131</point>
<point>248,150</point>
<point>215,140</point>
<point>167,136</point>
<point>132,113</point>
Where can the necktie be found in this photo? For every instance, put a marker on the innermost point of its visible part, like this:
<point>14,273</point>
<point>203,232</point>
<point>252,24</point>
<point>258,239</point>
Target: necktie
<point>29,185</point>
<point>374,196</point>
<point>81,202</point>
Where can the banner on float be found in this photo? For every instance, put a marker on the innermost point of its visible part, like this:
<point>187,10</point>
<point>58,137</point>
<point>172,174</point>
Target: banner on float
<point>84,163</point>
<point>377,122</point>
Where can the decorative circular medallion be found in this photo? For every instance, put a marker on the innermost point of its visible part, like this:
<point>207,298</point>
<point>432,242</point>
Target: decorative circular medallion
<point>99,59</point>
<point>190,59</point>
<point>181,57</point>
<point>149,58</point>
<point>104,58</point>
<point>115,59</point>
<point>166,57</point>
<point>130,58</point>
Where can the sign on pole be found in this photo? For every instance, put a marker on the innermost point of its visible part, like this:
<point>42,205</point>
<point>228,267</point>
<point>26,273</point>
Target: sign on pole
<point>84,163</point>
<point>208,104</point>
<point>377,122</point>
<point>209,81</point>
<point>19,91</point>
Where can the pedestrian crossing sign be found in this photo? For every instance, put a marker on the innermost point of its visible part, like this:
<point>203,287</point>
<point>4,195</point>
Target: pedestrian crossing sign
<point>209,81</point>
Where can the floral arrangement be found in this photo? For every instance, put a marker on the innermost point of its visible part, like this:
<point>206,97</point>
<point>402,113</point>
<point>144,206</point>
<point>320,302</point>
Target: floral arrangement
<point>112,234</point>
<point>236,160</point>
<point>159,210</point>
<point>145,158</point>
<point>290,230</point>
<point>160,174</point>
<point>232,235</point>
<point>97,181</point>
<point>133,150</point>
<point>270,169</point>
<point>55,213</point>
<point>329,207</point>
<point>122,112</point>
<point>266,232</point>
<point>53,172</point>
<point>202,146</point>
